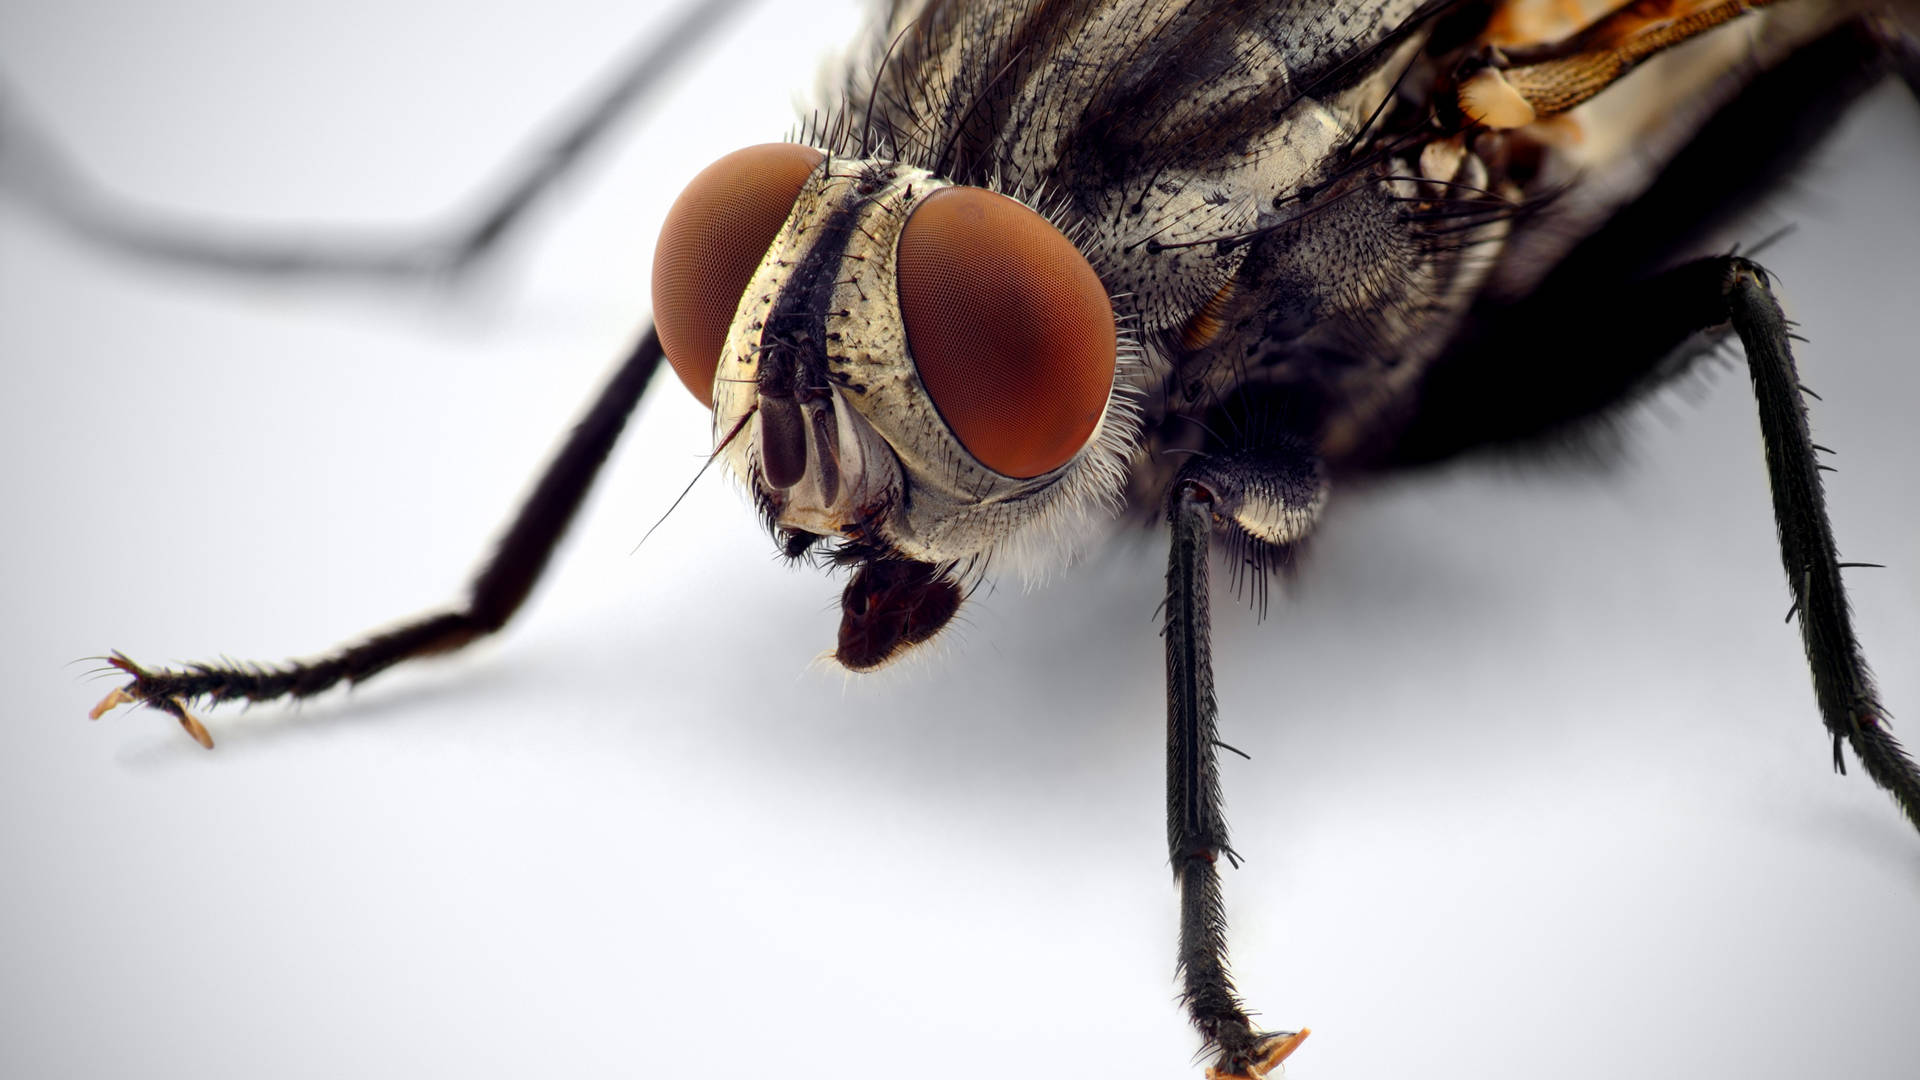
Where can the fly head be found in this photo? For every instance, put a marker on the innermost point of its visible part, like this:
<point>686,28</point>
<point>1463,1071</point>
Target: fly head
<point>924,375</point>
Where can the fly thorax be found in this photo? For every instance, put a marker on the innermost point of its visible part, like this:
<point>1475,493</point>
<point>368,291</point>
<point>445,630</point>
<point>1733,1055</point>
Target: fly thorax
<point>1156,240</point>
<point>1352,277</point>
<point>1174,240</point>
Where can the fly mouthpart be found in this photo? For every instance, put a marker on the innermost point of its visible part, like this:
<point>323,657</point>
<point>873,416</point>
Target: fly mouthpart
<point>813,463</point>
<point>783,442</point>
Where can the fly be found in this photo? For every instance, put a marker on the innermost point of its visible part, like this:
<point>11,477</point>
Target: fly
<point>811,444</point>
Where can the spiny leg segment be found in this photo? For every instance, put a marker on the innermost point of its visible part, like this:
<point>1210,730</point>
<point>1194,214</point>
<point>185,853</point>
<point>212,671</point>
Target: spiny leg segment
<point>1849,703</point>
<point>1623,335</point>
<point>497,591</point>
<point>1274,496</point>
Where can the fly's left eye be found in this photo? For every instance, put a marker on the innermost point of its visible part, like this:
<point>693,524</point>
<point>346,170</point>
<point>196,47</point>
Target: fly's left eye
<point>713,240</point>
<point>1011,331</point>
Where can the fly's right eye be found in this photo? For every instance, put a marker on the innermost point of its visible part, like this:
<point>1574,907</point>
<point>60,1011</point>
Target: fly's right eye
<point>714,238</point>
<point>1010,328</point>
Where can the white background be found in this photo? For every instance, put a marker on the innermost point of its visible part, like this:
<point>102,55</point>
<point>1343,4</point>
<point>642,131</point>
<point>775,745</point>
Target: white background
<point>1538,785</point>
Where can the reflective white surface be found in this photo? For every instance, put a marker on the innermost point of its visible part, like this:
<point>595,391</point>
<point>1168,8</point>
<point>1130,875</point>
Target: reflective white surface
<point>1538,786</point>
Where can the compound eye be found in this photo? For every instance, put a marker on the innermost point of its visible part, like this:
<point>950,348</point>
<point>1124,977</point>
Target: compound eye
<point>1010,329</point>
<point>715,236</point>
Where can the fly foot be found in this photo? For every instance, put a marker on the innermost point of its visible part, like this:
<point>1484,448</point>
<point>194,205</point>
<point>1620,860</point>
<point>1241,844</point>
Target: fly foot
<point>145,690</point>
<point>1260,1061</point>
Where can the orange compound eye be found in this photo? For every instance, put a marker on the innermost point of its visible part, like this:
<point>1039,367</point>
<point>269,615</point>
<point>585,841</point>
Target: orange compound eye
<point>714,238</point>
<point>1010,328</point>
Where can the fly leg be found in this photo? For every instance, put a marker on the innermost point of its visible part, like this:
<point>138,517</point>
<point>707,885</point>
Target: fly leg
<point>34,169</point>
<point>1849,703</point>
<point>497,591</point>
<point>1273,495</point>
<point>1524,83</point>
<point>1546,372</point>
<point>1610,359</point>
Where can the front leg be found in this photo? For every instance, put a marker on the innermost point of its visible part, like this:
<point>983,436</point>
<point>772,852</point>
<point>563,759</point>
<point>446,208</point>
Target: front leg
<point>1272,496</point>
<point>37,171</point>
<point>502,585</point>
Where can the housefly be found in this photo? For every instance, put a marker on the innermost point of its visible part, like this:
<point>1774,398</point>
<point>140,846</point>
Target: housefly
<point>1619,847</point>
